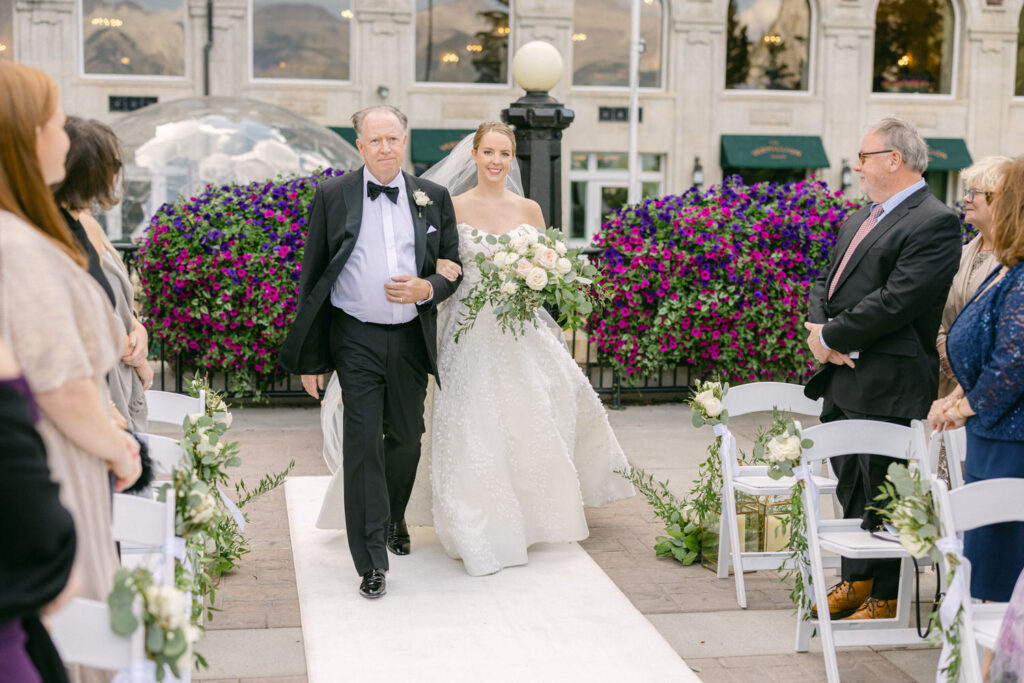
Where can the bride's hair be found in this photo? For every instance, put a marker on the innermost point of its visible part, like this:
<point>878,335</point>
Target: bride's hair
<point>494,127</point>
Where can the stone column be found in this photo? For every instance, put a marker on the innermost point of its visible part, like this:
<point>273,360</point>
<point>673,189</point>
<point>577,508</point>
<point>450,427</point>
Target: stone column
<point>694,72</point>
<point>843,64</point>
<point>385,47</point>
<point>229,54</point>
<point>988,76</point>
<point>47,37</point>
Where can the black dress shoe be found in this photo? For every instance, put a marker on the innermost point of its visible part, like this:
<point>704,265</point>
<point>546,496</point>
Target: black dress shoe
<point>398,538</point>
<point>374,584</point>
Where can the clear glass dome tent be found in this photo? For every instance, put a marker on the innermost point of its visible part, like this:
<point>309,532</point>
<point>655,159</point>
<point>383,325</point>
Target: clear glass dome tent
<point>175,148</point>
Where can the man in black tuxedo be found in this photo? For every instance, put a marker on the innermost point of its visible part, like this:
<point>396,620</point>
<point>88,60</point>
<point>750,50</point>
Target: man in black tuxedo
<point>368,309</point>
<point>874,316</point>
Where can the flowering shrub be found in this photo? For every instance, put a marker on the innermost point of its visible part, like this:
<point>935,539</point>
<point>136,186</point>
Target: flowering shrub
<point>715,280</point>
<point>220,276</point>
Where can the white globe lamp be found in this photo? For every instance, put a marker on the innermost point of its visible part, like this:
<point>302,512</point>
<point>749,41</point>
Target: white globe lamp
<point>537,66</point>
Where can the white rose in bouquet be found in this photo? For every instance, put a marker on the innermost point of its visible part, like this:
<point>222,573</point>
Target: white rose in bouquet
<point>532,237</point>
<point>786,449</point>
<point>509,287</point>
<point>523,267</point>
<point>518,244</point>
<point>711,405</point>
<point>563,266</point>
<point>547,258</point>
<point>500,259</point>
<point>560,247</point>
<point>537,279</point>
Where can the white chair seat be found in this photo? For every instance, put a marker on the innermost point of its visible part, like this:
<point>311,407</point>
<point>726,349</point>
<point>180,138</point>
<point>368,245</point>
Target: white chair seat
<point>81,632</point>
<point>988,619</point>
<point>845,537</point>
<point>763,485</point>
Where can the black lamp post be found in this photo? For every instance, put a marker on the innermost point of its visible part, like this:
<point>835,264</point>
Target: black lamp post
<point>539,120</point>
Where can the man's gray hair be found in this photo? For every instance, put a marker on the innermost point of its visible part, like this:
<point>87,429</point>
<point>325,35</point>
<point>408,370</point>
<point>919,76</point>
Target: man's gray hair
<point>901,136</point>
<point>360,116</point>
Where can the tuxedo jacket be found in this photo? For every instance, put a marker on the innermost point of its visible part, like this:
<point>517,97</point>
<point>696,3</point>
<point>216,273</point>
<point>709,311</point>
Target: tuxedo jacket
<point>335,219</point>
<point>887,305</point>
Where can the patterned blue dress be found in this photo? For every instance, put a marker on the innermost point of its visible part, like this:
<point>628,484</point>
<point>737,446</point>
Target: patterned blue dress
<point>986,352</point>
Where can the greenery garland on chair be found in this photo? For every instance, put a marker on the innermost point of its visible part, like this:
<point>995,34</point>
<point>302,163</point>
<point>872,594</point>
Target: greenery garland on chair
<point>906,503</point>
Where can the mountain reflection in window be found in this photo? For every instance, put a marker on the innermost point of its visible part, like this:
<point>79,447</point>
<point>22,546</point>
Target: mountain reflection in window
<point>767,44</point>
<point>134,38</point>
<point>462,41</point>
<point>304,39</point>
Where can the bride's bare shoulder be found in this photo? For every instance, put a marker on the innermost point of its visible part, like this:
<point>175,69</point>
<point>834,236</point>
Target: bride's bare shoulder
<point>531,213</point>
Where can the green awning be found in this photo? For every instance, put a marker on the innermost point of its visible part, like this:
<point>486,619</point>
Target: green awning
<point>347,132</point>
<point>430,145</point>
<point>947,154</point>
<point>773,151</point>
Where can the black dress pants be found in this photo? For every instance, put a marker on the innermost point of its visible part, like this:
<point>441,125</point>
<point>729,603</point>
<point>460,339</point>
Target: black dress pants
<point>383,371</point>
<point>860,476</point>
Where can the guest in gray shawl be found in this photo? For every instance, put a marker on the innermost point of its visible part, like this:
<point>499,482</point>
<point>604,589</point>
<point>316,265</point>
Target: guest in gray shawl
<point>93,170</point>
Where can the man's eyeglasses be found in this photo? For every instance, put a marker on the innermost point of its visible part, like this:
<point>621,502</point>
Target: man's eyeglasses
<point>972,193</point>
<point>864,155</point>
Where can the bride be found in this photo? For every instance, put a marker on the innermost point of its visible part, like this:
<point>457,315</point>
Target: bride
<point>517,442</point>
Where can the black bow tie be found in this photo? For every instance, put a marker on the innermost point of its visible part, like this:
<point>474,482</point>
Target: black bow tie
<point>373,190</point>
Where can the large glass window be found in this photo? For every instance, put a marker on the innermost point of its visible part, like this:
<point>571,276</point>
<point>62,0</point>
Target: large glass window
<point>600,47</point>
<point>914,46</point>
<point>301,39</point>
<point>462,41</point>
<point>7,29</point>
<point>138,38</point>
<point>1019,89</point>
<point>768,44</point>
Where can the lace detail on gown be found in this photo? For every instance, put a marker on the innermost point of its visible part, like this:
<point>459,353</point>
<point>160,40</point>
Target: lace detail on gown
<point>519,440</point>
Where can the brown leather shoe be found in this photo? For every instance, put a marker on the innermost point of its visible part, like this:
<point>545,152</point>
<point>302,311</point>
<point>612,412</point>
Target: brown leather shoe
<point>873,608</point>
<point>845,597</point>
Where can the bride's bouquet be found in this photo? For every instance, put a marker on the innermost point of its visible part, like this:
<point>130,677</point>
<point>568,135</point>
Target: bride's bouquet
<point>528,270</point>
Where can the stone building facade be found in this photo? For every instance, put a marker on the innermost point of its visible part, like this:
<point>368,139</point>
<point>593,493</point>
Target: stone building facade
<point>689,113</point>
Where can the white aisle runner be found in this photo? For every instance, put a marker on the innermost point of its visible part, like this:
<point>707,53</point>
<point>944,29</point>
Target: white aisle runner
<point>559,618</point>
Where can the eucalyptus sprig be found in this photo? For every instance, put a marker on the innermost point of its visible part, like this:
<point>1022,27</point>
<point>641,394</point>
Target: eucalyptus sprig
<point>170,634</point>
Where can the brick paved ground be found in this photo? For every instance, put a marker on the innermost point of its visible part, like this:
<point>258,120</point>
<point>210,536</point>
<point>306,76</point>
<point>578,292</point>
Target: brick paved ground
<point>257,636</point>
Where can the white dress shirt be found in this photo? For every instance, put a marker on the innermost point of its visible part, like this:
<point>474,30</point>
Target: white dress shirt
<point>386,247</point>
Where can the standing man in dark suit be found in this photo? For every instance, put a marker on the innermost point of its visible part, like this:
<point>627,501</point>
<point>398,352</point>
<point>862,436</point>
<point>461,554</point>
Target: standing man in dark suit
<point>873,319</point>
<point>368,309</point>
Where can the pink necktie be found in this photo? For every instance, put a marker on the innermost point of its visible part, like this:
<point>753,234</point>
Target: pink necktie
<point>862,232</point>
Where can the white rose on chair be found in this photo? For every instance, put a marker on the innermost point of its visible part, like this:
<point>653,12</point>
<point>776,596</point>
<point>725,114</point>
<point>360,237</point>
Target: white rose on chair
<point>711,405</point>
<point>547,258</point>
<point>780,449</point>
<point>167,605</point>
<point>537,279</point>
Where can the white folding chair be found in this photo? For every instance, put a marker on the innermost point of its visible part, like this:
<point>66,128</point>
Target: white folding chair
<point>845,538</point>
<point>970,506</point>
<point>166,406</point>
<point>145,530</point>
<point>753,480</point>
<point>955,441</point>
<point>81,632</point>
<point>165,452</point>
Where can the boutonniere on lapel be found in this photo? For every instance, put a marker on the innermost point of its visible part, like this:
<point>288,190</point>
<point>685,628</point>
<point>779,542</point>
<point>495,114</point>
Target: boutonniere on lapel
<point>421,199</point>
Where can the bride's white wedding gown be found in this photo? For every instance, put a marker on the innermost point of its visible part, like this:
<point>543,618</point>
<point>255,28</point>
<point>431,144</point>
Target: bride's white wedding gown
<point>517,442</point>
